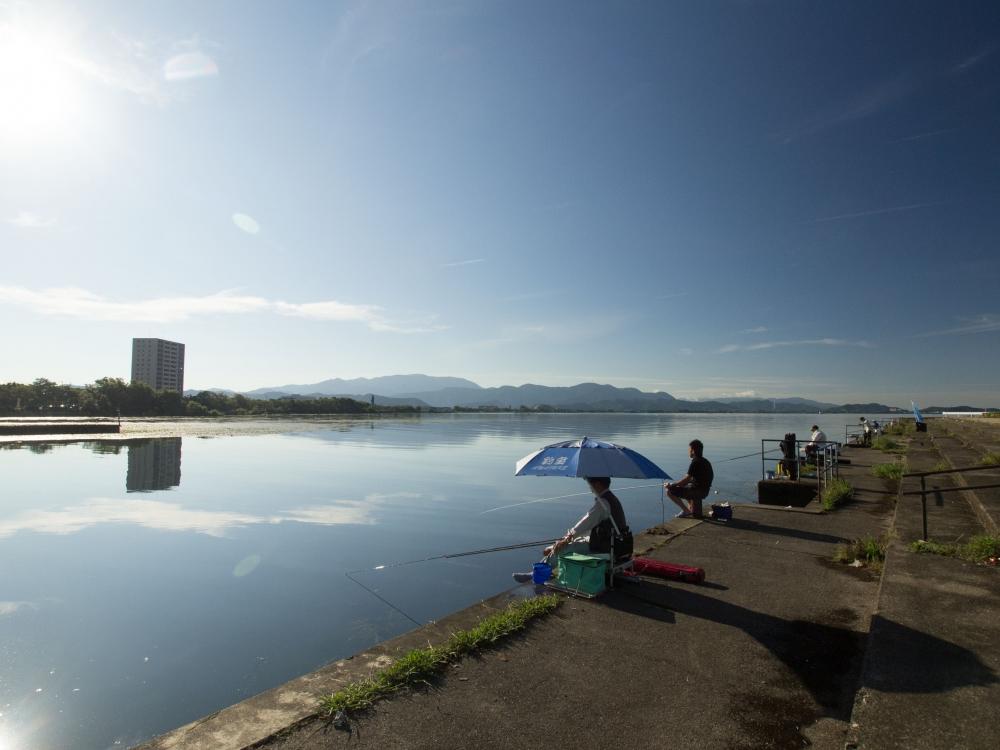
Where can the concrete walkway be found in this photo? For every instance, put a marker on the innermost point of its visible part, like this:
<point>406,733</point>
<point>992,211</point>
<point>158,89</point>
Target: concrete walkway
<point>931,676</point>
<point>769,652</point>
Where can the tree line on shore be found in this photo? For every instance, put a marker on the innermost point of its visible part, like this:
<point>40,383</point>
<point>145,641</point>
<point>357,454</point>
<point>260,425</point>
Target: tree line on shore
<point>110,397</point>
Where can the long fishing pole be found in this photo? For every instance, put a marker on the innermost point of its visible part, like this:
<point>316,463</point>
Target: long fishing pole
<point>563,497</point>
<point>351,573</point>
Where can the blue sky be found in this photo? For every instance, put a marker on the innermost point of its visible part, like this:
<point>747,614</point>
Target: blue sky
<point>777,198</point>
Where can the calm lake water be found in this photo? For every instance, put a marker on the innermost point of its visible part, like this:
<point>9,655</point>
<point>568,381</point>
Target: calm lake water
<point>145,584</point>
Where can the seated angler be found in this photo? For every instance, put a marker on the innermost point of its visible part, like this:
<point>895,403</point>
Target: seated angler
<point>693,486</point>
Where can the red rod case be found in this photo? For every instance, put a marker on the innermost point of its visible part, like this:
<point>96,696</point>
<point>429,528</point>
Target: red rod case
<point>645,566</point>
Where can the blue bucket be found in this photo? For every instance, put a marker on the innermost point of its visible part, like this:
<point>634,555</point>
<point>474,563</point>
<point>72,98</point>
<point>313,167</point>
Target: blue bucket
<point>541,572</point>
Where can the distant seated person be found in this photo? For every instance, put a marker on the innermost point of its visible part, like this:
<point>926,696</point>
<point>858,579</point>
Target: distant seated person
<point>593,533</point>
<point>817,436</point>
<point>693,486</point>
<point>866,434</point>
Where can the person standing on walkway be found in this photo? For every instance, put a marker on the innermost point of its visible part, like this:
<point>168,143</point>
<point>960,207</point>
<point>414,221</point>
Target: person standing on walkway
<point>693,486</point>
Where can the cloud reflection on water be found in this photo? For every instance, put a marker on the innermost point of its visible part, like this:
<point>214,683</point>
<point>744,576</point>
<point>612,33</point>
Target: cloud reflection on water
<point>155,514</point>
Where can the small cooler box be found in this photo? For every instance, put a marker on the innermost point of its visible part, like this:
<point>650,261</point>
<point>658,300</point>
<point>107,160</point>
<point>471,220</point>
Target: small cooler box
<point>582,575</point>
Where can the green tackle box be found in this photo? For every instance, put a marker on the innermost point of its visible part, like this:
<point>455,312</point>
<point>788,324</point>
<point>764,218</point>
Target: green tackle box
<point>582,574</point>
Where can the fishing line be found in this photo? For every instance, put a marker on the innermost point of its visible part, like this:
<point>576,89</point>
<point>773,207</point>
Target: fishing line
<point>350,574</point>
<point>563,497</point>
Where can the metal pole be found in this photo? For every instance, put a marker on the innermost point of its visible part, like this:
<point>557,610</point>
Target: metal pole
<point>762,466</point>
<point>923,502</point>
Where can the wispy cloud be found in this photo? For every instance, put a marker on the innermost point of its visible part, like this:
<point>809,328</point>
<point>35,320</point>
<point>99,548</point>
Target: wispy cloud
<point>877,211</point>
<point>9,608</point>
<point>463,262</point>
<point>29,220</point>
<point>758,329</point>
<point>782,344</point>
<point>975,59</point>
<point>927,134</point>
<point>189,65</point>
<point>987,323</point>
<point>247,223</point>
<point>685,351</point>
<point>873,100</point>
<point>80,303</point>
<point>572,331</point>
<point>672,295</point>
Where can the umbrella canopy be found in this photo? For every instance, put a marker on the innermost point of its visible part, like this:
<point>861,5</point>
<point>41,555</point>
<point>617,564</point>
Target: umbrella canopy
<point>588,458</point>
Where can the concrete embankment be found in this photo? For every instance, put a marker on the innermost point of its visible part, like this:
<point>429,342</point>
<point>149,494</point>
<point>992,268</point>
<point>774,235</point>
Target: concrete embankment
<point>770,652</point>
<point>60,428</point>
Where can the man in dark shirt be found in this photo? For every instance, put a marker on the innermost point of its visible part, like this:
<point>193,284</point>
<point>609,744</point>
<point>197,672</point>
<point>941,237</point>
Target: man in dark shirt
<point>693,486</point>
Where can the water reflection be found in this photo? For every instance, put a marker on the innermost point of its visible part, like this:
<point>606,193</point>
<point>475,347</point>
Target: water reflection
<point>153,465</point>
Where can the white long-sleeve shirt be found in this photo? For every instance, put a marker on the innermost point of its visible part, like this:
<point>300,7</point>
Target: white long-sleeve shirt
<point>599,511</point>
<point>817,437</point>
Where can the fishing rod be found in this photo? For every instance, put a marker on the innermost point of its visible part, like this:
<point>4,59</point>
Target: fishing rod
<point>468,553</point>
<point>563,497</point>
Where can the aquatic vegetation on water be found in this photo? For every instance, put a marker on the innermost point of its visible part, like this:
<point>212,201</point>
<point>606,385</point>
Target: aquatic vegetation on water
<point>421,664</point>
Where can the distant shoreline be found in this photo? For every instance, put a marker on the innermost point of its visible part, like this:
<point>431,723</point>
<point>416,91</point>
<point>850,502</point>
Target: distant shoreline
<point>136,428</point>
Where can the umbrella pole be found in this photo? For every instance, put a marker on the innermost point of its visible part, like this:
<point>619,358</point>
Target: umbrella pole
<point>663,505</point>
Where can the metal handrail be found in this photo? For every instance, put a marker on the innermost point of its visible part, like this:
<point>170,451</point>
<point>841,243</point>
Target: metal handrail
<point>923,486</point>
<point>830,452</point>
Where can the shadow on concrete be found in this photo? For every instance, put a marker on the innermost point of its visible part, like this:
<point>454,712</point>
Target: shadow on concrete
<point>908,661</point>
<point>763,528</point>
<point>824,657</point>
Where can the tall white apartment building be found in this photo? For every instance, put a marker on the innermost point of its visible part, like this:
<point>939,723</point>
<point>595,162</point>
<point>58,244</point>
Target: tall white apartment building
<point>158,363</point>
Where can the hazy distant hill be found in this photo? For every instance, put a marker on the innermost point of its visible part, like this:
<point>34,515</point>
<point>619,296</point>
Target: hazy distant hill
<point>582,396</point>
<point>389,385</point>
<point>940,409</point>
<point>445,392</point>
<point>799,404</point>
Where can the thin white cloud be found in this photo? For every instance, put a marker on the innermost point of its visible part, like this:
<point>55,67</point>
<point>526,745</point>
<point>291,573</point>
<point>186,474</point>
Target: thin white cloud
<point>873,100</point>
<point>686,351</point>
<point>981,324</point>
<point>9,608</point>
<point>463,263</point>
<point>878,211</point>
<point>975,59</point>
<point>189,65</point>
<point>247,223</point>
<point>330,311</point>
<point>672,295</point>
<point>82,304</point>
<point>781,344</point>
<point>30,220</point>
<point>758,329</point>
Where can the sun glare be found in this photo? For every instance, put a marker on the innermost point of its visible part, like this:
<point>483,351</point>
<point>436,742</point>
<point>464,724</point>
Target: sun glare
<point>41,93</point>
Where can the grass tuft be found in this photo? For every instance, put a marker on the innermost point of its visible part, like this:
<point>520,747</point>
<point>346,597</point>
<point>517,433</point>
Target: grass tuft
<point>883,443</point>
<point>869,550</point>
<point>419,665</point>
<point>991,459</point>
<point>900,428</point>
<point>891,473</point>
<point>837,492</point>
<point>978,549</point>
<point>940,466</point>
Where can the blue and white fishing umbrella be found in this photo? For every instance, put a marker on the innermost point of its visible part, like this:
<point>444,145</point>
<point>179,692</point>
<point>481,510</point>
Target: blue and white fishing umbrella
<point>588,458</point>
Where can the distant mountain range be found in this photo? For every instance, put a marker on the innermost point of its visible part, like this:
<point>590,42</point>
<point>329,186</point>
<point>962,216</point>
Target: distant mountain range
<point>444,392</point>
